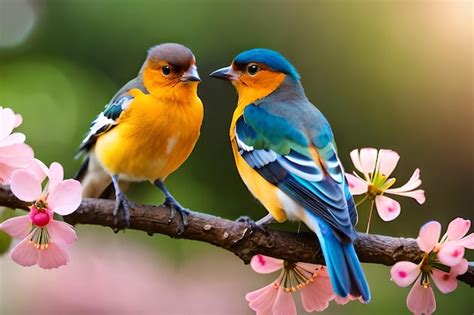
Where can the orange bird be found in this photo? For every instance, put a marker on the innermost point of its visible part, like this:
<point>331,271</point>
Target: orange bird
<point>147,130</point>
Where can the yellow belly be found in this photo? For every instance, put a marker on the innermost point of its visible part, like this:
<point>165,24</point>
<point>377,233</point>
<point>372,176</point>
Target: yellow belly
<point>265,192</point>
<point>152,138</point>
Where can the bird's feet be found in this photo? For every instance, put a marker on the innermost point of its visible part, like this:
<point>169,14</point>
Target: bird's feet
<point>121,203</point>
<point>255,226</point>
<point>175,207</point>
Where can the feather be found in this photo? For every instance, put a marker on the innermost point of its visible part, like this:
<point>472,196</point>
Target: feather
<point>108,118</point>
<point>308,182</point>
<point>345,271</point>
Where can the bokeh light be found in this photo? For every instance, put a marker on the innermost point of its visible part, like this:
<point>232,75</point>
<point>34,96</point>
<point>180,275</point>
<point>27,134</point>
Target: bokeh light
<point>17,21</point>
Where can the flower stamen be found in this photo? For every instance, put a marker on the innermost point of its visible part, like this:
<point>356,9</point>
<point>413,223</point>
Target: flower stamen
<point>40,238</point>
<point>293,273</point>
<point>375,183</point>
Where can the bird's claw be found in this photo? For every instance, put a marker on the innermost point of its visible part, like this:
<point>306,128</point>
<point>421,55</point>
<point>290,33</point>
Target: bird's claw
<point>121,202</point>
<point>253,224</point>
<point>175,207</point>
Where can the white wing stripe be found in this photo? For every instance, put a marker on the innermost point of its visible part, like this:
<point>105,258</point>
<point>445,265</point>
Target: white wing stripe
<point>100,122</point>
<point>295,160</point>
<point>309,177</point>
<point>242,145</point>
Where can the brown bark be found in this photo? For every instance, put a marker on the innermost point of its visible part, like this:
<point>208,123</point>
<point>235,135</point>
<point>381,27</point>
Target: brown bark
<point>239,238</point>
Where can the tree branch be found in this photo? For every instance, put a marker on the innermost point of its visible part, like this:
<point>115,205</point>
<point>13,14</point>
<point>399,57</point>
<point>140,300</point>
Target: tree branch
<point>239,237</point>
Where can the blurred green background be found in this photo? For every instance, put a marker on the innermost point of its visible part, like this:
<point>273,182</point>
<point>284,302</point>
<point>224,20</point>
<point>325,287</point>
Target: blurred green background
<point>387,74</point>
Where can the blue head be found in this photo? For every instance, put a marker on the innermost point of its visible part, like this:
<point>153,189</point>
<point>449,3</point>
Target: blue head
<point>269,58</point>
<point>256,73</point>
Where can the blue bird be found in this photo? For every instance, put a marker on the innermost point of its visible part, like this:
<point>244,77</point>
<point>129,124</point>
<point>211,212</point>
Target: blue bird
<point>285,152</point>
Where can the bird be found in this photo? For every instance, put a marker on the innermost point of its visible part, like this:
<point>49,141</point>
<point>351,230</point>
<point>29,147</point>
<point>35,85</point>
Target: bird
<point>147,130</point>
<point>286,155</point>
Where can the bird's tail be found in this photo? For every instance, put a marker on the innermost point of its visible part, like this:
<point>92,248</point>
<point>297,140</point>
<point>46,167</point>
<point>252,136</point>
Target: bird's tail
<point>345,270</point>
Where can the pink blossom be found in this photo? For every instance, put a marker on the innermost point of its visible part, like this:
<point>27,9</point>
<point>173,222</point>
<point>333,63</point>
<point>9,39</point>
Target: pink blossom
<point>442,262</point>
<point>375,182</point>
<point>455,241</point>
<point>312,281</point>
<point>14,154</point>
<point>421,299</point>
<point>43,237</point>
<point>9,121</point>
<point>344,300</point>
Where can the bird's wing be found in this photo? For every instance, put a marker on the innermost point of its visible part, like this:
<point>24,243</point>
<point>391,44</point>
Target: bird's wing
<point>287,158</point>
<point>108,118</point>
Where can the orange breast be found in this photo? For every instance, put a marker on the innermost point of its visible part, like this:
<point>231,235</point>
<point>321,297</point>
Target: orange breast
<point>152,138</point>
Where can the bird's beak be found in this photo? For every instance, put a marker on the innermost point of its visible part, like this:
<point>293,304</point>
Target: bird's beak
<point>226,73</point>
<point>191,75</point>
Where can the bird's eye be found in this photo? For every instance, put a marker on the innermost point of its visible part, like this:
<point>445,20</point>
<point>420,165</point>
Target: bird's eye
<point>252,69</point>
<point>166,70</point>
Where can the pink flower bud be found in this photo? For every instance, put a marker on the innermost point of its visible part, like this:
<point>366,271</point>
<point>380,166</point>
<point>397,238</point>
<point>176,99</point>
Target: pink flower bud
<point>40,217</point>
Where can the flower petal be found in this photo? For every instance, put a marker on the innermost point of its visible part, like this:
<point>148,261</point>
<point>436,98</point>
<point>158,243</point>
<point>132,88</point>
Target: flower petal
<point>66,197</point>
<point>18,120</point>
<point>262,300</point>
<point>458,228</point>
<point>403,273</point>
<point>451,253</point>
<point>25,186</point>
<point>284,304</point>
<point>387,208</point>
<point>368,159</point>
<point>251,296</point>
<point>413,183</point>
<point>429,236</point>
<point>418,195</point>
<point>468,241</point>
<point>14,138</point>
<point>388,160</point>
<point>460,268</point>
<point>265,264</point>
<point>421,300</point>
<point>61,233</point>
<point>52,257</point>
<point>38,169</point>
<point>17,155</point>
<point>344,300</point>
<point>356,160</point>
<point>446,282</point>
<point>24,253</point>
<point>56,175</point>
<point>7,122</point>
<point>317,294</point>
<point>5,174</point>
<point>312,268</point>
<point>357,186</point>
<point>17,227</point>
